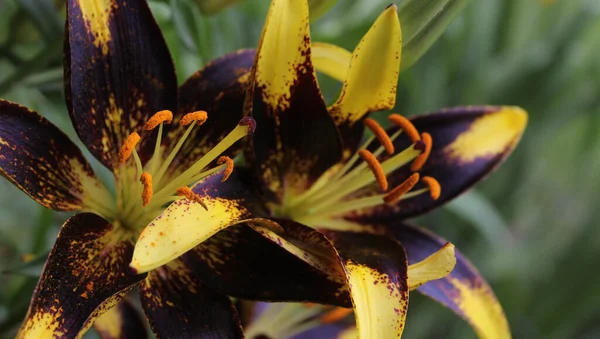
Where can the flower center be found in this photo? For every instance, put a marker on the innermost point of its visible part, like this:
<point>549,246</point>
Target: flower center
<point>352,186</point>
<point>143,191</point>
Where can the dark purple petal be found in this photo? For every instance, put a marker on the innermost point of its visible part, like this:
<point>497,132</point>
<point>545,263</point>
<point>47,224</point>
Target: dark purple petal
<point>121,322</point>
<point>118,73</point>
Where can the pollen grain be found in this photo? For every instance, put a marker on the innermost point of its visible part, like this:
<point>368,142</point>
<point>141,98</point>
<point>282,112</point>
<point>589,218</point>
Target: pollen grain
<point>435,189</point>
<point>146,180</point>
<point>228,167</point>
<point>199,117</point>
<point>401,189</point>
<point>164,116</point>
<point>335,315</point>
<point>422,158</point>
<point>128,147</point>
<point>375,167</point>
<point>380,134</point>
<point>190,195</point>
<point>406,126</point>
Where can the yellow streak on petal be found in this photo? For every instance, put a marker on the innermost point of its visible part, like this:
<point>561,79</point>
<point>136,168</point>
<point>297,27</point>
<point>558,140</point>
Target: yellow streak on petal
<point>379,306</point>
<point>435,266</point>
<point>331,60</point>
<point>373,75</point>
<point>181,227</point>
<point>350,333</point>
<point>482,311</point>
<point>282,50</point>
<point>110,324</point>
<point>42,325</point>
<point>96,13</point>
<point>489,135</point>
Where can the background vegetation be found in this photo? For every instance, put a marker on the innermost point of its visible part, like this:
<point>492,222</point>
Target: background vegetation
<point>531,228</point>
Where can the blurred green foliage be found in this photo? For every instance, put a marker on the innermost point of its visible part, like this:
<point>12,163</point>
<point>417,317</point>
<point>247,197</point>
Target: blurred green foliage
<point>531,228</point>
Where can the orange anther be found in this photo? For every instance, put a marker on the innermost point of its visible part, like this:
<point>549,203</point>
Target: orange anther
<point>375,167</point>
<point>435,189</point>
<point>228,167</point>
<point>190,195</point>
<point>146,180</point>
<point>380,134</point>
<point>406,126</point>
<point>199,117</point>
<point>128,147</point>
<point>335,315</point>
<point>401,189</point>
<point>158,118</point>
<point>422,158</point>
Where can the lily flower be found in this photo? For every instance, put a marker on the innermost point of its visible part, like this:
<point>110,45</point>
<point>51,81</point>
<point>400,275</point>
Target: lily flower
<point>123,100</point>
<point>342,206</point>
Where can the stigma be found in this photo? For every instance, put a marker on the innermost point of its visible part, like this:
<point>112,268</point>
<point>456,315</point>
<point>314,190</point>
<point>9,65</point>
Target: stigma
<point>362,182</point>
<point>143,190</point>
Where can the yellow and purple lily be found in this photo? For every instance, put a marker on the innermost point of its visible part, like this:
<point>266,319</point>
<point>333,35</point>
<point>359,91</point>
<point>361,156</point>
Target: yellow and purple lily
<point>124,103</point>
<point>339,205</point>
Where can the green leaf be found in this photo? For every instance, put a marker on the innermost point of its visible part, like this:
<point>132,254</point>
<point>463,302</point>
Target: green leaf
<point>319,7</point>
<point>214,6</point>
<point>422,23</point>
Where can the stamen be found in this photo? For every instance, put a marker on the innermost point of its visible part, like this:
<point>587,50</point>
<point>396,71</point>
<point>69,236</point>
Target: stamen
<point>405,125</point>
<point>380,134</point>
<point>435,189</point>
<point>375,167</point>
<point>158,118</point>
<point>128,147</point>
<point>199,117</point>
<point>146,180</point>
<point>228,167</point>
<point>401,189</point>
<point>422,158</point>
<point>190,195</point>
<point>335,315</point>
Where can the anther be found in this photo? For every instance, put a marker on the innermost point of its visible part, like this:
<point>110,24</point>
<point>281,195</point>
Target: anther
<point>228,167</point>
<point>146,180</point>
<point>375,167</point>
<point>199,117</point>
<point>128,147</point>
<point>435,189</point>
<point>380,134</point>
<point>335,315</point>
<point>405,125</point>
<point>158,118</point>
<point>401,189</point>
<point>422,158</point>
<point>190,195</point>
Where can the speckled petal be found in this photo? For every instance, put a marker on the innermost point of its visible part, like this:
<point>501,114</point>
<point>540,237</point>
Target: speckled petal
<point>464,290</point>
<point>86,274</point>
<point>121,322</point>
<point>376,269</point>
<point>372,78</point>
<point>179,305</point>
<point>296,140</point>
<point>41,160</point>
<point>468,144</point>
<point>186,223</point>
<point>219,89</point>
<point>118,73</point>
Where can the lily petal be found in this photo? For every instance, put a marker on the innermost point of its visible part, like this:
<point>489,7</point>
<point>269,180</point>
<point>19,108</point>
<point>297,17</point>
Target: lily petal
<point>185,223</point>
<point>219,89</point>
<point>331,59</point>
<point>367,88</point>
<point>239,262</point>
<point>118,73</point>
<point>86,274</point>
<point>376,269</point>
<point>468,144</point>
<point>121,322</point>
<point>41,160</point>
<point>178,305</point>
<point>464,290</point>
<point>296,139</point>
